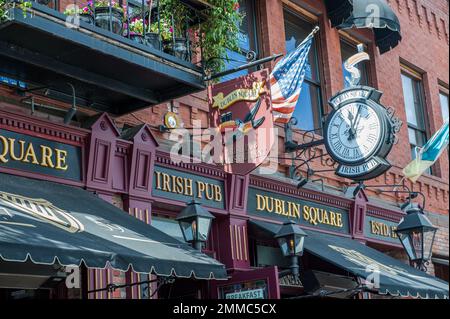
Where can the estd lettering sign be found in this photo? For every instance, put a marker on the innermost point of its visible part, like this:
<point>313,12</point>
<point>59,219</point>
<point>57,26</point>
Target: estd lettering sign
<point>39,155</point>
<point>380,229</point>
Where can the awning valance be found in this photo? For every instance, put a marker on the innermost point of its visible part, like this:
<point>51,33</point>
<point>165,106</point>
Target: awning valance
<point>375,14</point>
<point>50,223</point>
<point>395,277</point>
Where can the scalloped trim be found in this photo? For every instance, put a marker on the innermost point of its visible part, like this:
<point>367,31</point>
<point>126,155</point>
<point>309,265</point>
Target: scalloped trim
<point>108,265</point>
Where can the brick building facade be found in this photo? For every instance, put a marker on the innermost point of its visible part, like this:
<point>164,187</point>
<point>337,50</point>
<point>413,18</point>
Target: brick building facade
<point>423,51</point>
<point>413,78</point>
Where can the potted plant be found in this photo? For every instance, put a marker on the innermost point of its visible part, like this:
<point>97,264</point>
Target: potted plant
<point>106,12</point>
<point>136,30</point>
<point>174,14</point>
<point>85,13</point>
<point>152,36</point>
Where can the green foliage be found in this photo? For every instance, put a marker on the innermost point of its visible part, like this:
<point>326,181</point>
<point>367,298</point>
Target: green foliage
<point>220,32</point>
<point>2,10</point>
<point>174,10</point>
<point>24,5</point>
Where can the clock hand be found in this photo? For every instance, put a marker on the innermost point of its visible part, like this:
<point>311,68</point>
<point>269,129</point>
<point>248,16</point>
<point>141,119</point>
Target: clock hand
<point>357,118</point>
<point>350,131</point>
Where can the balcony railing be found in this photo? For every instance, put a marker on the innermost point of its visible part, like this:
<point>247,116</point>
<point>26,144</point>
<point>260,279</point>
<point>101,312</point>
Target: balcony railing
<point>120,52</point>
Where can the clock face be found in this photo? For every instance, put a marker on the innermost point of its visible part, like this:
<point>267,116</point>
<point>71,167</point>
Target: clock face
<point>354,133</point>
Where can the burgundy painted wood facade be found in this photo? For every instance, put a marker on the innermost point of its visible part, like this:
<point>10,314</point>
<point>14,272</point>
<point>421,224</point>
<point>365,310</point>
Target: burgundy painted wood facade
<point>120,165</point>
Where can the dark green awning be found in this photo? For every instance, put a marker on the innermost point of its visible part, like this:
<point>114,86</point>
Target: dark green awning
<point>53,223</point>
<point>396,278</point>
<point>374,14</point>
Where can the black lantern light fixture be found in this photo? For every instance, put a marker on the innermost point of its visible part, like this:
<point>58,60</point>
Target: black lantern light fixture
<point>417,234</point>
<point>195,223</point>
<point>291,239</point>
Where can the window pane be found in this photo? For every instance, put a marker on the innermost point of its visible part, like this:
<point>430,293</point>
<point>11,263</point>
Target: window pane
<point>236,60</point>
<point>347,51</point>
<point>408,94</point>
<point>296,30</point>
<point>246,41</point>
<point>308,110</point>
<point>444,105</point>
<point>412,136</point>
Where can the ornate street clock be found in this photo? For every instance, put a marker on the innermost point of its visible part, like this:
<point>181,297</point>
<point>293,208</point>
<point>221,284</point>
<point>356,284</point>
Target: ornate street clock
<point>359,133</point>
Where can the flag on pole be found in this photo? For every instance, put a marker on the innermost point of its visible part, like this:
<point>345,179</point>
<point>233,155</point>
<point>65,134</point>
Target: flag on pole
<point>286,80</point>
<point>427,155</point>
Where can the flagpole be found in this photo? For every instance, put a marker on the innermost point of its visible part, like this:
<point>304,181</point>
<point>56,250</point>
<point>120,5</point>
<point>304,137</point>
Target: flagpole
<point>311,35</point>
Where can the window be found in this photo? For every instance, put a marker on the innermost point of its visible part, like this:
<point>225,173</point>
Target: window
<point>348,50</point>
<point>443,97</point>
<point>309,107</point>
<point>247,40</point>
<point>415,112</point>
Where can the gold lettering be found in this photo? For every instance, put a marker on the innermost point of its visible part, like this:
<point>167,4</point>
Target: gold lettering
<point>11,150</point>
<point>296,210</point>
<point>269,207</point>
<point>30,153</point>
<point>306,213</point>
<point>4,141</point>
<point>218,193</point>
<point>333,219</point>
<point>47,154</point>
<point>339,222</point>
<point>209,191</point>
<point>188,187</point>
<point>61,156</point>
<point>166,182</point>
<point>313,215</point>
<point>200,189</point>
<point>278,207</point>
<point>158,180</point>
<point>326,220</point>
<point>173,184</point>
<point>260,203</point>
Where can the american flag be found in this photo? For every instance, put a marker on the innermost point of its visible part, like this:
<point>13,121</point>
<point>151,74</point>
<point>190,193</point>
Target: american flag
<point>286,81</point>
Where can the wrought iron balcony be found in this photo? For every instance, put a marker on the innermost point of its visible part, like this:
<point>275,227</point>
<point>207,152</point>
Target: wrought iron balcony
<point>119,56</point>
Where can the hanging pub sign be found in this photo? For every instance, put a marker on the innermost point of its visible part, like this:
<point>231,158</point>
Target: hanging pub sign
<point>38,155</point>
<point>360,131</point>
<point>282,208</point>
<point>241,111</point>
<point>182,186</point>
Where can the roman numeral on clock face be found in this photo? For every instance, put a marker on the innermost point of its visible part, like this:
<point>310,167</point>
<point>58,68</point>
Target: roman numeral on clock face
<point>346,152</point>
<point>338,146</point>
<point>372,138</point>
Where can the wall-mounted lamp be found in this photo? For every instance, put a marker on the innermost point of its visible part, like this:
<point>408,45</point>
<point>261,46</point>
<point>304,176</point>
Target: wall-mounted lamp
<point>291,239</point>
